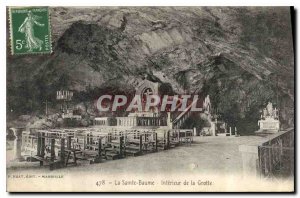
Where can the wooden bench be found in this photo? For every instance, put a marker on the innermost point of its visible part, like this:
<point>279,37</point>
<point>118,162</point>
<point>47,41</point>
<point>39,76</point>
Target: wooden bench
<point>115,149</point>
<point>134,146</point>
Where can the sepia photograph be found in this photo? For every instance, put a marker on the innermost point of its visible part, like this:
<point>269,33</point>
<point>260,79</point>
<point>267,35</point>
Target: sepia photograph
<point>150,99</point>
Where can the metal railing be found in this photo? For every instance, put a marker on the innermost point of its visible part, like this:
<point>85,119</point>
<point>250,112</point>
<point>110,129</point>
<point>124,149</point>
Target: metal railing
<point>276,156</point>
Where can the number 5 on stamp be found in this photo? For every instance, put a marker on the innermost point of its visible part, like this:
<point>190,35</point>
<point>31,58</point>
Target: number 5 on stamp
<point>30,30</point>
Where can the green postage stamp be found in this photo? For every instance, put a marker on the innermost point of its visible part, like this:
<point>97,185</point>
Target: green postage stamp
<point>30,30</point>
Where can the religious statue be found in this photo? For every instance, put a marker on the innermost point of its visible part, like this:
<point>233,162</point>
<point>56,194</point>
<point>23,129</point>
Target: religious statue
<point>265,113</point>
<point>270,112</point>
<point>206,104</point>
<point>276,113</point>
<point>270,109</point>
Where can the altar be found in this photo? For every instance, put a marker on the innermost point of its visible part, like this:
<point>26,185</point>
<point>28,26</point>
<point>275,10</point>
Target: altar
<point>269,122</point>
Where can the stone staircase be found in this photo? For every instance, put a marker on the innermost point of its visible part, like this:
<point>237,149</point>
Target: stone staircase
<point>180,118</point>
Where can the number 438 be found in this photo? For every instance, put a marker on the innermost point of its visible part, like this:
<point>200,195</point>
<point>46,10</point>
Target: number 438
<point>19,44</point>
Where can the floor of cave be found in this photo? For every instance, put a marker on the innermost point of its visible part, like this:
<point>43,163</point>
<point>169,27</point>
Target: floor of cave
<point>205,154</point>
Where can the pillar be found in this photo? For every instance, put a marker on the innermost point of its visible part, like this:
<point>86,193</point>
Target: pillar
<point>39,140</point>
<point>69,139</point>
<point>195,131</point>
<point>84,141</point>
<point>43,144</point>
<point>156,142</point>
<point>87,139</point>
<point>62,150</point>
<point>52,149</point>
<point>121,139</point>
<point>168,139</point>
<point>165,140</point>
<point>141,143</point>
<point>249,160</point>
<point>99,147</point>
<point>17,143</point>
<point>213,128</point>
<point>169,121</point>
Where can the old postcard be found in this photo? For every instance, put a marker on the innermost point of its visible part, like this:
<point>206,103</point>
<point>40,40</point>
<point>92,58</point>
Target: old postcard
<point>150,99</point>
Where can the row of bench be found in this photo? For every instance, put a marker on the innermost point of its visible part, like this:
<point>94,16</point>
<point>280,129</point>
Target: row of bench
<point>60,148</point>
